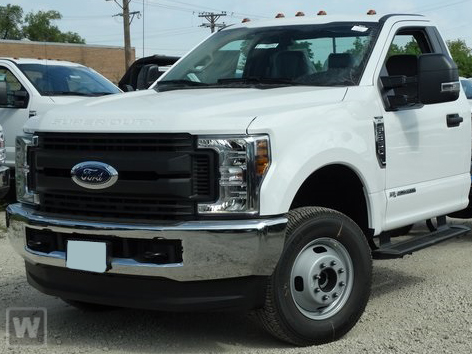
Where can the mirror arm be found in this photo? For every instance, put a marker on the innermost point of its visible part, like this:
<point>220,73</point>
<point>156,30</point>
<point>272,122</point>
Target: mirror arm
<point>397,81</point>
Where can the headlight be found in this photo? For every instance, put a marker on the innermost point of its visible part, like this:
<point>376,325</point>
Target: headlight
<point>24,195</point>
<point>243,163</point>
<point>3,152</point>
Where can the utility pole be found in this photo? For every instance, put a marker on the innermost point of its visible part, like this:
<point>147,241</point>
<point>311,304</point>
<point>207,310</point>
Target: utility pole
<point>211,17</point>
<point>128,17</point>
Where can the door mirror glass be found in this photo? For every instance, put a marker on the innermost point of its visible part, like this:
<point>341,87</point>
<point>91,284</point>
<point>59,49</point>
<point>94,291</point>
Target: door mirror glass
<point>438,79</point>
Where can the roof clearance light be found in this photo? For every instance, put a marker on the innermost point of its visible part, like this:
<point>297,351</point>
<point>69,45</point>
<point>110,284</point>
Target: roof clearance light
<point>371,12</point>
<point>300,14</point>
<point>322,13</point>
<point>280,15</point>
<point>246,20</point>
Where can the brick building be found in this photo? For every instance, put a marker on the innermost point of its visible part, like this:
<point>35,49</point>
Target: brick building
<point>107,60</point>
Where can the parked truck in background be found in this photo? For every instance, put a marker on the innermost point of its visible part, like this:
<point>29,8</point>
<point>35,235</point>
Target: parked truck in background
<point>30,87</point>
<point>145,71</point>
<point>260,173</point>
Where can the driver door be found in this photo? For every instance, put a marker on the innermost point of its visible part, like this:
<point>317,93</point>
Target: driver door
<point>426,158</point>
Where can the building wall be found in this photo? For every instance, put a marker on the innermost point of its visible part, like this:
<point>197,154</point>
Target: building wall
<point>108,61</point>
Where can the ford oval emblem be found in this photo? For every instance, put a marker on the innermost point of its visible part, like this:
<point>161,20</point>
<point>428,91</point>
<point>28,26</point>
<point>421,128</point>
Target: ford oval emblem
<point>94,175</point>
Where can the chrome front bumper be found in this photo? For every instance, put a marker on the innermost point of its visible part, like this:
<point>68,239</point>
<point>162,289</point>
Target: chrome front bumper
<point>4,180</point>
<point>211,249</point>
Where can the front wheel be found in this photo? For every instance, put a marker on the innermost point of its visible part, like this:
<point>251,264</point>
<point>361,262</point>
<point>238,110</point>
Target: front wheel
<point>322,282</point>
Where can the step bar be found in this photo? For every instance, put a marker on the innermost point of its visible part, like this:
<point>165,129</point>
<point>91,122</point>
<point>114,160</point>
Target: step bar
<point>389,250</point>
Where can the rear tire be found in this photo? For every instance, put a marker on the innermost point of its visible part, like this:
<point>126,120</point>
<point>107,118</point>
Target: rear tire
<point>322,282</point>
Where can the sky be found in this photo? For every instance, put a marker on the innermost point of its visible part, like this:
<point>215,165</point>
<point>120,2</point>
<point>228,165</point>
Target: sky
<point>172,27</point>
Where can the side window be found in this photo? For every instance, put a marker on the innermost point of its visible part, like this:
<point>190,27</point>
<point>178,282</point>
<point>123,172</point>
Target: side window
<point>13,87</point>
<point>404,44</point>
<point>402,61</point>
<point>403,53</point>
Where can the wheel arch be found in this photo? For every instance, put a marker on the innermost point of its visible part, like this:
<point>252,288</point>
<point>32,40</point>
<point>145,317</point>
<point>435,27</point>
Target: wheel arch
<point>339,187</point>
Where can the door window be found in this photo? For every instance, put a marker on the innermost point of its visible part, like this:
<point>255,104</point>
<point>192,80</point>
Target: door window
<point>402,60</point>
<point>12,83</point>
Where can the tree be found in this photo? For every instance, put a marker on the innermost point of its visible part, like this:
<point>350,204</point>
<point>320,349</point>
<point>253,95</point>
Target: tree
<point>411,47</point>
<point>462,55</point>
<point>11,19</point>
<point>38,27</point>
<point>359,47</point>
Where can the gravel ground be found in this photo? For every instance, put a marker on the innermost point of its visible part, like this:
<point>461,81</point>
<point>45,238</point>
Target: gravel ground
<point>419,304</point>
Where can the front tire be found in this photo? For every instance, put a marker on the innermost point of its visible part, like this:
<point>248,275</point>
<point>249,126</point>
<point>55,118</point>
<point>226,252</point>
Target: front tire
<point>321,284</point>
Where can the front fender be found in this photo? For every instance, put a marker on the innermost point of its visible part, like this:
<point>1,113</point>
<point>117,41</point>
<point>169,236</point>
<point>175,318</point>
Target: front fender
<point>306,140</point>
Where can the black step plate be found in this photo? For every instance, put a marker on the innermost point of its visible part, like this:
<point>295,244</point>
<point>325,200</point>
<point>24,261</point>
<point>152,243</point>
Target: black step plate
<point>400,249</point>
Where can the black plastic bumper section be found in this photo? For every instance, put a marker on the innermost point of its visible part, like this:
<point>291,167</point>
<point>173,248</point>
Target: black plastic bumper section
<point>148,292</point>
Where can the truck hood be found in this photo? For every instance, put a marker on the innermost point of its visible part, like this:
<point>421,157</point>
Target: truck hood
<point>67,99</point>
<point>195,111</point>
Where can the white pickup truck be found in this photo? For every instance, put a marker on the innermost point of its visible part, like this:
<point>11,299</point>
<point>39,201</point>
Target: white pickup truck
<point>33,86</point>
<point>260,173</point>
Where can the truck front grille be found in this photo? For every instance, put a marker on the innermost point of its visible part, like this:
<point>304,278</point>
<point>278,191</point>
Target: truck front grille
<point>161,176</point>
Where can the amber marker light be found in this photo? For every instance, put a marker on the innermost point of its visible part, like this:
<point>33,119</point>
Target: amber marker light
<point>262,157</point>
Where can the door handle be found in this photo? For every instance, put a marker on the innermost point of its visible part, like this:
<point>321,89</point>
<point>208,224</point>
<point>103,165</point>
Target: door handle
<point>454,120</point>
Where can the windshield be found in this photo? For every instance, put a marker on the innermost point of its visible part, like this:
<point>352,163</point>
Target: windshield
<point>57,80</point>
<point>467,86</point>
<point>333,54</point>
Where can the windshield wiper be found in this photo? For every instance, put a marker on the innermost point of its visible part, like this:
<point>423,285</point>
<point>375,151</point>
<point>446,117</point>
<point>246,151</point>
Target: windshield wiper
<point>101,93</point>
<point>65,93</point>
<point>182,82</point>
<point>258,80</point>
<point>168,85</point>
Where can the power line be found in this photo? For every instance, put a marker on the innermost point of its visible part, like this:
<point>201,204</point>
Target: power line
<point>126,28</point>
<point>160,34</point>
<point>230,14</point>
<point>194,8</point>
<point>439,6</point>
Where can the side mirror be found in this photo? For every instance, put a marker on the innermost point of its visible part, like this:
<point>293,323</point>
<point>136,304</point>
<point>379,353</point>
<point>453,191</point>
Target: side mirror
<point>438,79</point>
<point>127,88</point>
<point>21,99</point>
<point>3,94</point>
<point>152,75</point>
<point>405,89</point>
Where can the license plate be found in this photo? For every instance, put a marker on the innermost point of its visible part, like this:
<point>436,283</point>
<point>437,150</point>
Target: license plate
<point>87,256</point>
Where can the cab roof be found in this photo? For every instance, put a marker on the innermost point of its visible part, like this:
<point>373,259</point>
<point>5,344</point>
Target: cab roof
<point>40,61</point>
<point>316,20</point>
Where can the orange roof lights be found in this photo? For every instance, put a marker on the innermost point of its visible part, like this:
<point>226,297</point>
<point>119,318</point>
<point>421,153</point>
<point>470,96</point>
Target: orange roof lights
<point>322,13</point>
<point>280,15</point>
<point>246,20</point>
<point>299,14</point>
<point>371,12</point>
